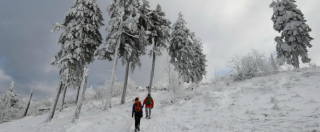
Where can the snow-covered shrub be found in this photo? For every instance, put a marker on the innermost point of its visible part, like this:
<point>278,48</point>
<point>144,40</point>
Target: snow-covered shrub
<point>312,65</point>
<point>103,91</point>
<point>160,86</point>
<point>117,89</point>
<point>11,106</point>
<point>252,65</point>
<point>131,84</point>
<point>90,94</point>
<point>222,79</point>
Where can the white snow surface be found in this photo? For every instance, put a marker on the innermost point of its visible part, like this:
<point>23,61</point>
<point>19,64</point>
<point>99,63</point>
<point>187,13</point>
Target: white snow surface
<point>285,102</point>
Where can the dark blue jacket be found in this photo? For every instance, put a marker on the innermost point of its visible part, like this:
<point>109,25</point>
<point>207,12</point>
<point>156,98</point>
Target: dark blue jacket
<point>134,104</point>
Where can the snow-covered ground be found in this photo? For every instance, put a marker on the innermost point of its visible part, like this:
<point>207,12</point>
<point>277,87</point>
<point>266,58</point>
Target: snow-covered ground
<point>286,102</point>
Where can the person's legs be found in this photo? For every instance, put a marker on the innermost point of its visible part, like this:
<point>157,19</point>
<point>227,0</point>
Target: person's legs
<point>146,112</point>
<point>139,115</point>
<point>138,127</point>
<point>137,121</point>
<point>149,112</point>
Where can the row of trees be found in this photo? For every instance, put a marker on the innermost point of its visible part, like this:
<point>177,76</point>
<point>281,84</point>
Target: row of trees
<point>132,27</point>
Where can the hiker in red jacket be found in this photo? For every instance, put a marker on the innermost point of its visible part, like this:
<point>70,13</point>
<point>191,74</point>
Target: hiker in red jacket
<point>149,105</point>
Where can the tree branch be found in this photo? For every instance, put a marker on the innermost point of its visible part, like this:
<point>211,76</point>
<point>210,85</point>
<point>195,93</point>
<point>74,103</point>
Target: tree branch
<point>135,36</point>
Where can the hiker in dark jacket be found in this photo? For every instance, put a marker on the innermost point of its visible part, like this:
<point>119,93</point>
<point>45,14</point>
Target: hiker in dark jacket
<point>149,105</point>
<point>137,111</point>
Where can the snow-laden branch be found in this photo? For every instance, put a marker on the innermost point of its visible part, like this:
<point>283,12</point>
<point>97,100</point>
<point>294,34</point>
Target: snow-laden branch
<point>135,36</point>
<point>56,27</point>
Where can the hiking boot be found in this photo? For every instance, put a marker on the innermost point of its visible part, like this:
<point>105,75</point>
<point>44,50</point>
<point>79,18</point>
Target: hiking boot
<point>138,129</point>
<point>148,117</point>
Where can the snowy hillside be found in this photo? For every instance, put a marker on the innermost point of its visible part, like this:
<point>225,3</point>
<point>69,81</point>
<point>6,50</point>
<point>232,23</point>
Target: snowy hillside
<point>286,102</point>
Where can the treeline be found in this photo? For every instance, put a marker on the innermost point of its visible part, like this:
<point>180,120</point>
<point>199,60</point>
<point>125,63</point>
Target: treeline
<point>133,26</point>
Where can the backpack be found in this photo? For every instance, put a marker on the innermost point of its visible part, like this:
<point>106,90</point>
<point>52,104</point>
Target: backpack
<point>149,100</point>
<point>137,107</point>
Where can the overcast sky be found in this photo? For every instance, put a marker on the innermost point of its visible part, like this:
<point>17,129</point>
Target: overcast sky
<point>226,28</point>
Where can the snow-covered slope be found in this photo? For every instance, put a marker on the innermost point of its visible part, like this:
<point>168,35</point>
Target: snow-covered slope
<point>286,102</point>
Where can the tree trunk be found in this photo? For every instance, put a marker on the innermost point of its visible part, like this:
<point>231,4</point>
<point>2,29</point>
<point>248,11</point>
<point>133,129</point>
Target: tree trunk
<point>109,98</point>
<point>63,97</point>
<point>26,110</point>
<point>77,98</point>
<point>54,105</point>
<point>80,101</point>
<point>169,70</point>
<point>152,72</point>
<point>114,70</point>
<point>123,99</point>
<point>295,62</point>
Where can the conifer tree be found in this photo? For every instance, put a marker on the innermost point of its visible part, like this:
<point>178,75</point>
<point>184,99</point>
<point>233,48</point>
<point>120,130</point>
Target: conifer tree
<point>181,49</point>
<point>123,31</point>
<point>294,40</point>
<point>199,62</point>
<point>79,40</point>
<point>137,45</point>
<point>160,35</point>
<point>9,105</point>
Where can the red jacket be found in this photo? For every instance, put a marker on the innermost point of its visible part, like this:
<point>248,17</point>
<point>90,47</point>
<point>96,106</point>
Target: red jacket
<point>151,106</point>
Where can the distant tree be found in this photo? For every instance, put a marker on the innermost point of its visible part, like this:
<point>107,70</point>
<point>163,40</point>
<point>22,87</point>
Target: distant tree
<point>79,40</point>
<point>181,49</point>
<point>160,36</point>
<point>294,40</point>
<point>10,105</point>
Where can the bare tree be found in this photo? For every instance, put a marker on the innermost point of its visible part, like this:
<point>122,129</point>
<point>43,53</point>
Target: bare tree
<point>54,105</point>
<point>27,107</point>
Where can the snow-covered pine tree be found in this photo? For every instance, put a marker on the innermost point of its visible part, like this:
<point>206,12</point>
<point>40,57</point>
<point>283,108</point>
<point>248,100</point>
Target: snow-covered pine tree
<point>160,35</point>
<point>123,32</point>
<point>9,105</point>
<point>295,38</point>
<point>10,97</point>
<point>79,40</point>
<point>199,62</point>
<point>136,45</point>
<point>181,49</point>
